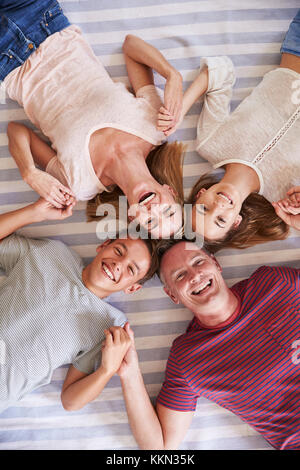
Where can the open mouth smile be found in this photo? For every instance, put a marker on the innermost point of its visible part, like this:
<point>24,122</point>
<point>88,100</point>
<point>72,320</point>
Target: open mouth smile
<point>226,197</point>
<point>108,272</point>
<point>203,287</point>
<point>146,198</point>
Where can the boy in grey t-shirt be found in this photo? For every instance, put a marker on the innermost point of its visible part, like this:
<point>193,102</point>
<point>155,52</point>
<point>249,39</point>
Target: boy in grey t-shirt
<point>52,310</point>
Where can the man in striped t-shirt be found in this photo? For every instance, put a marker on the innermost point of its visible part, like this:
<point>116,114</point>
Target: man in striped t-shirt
<point>240,351</point>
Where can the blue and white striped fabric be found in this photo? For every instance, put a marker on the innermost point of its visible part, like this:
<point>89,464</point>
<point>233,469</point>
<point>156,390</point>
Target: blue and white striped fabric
<point>250,33</point>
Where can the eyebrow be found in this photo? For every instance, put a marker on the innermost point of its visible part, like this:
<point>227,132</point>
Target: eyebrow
<point>183,267</point>
<point>168,209</point>
<point>126,250</point>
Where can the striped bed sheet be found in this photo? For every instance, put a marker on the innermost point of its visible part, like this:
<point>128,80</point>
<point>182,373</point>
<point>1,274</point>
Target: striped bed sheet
<point>250,33</point>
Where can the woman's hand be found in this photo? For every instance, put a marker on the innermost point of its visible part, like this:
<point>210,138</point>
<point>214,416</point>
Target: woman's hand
<point>49,188</point>
<point>169,114</point>
<point>288,209</point>
<point>46,211</point>
<point>117,342</point>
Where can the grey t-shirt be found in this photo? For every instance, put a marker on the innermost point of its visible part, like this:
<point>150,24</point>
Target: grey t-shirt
<point>47,316</point>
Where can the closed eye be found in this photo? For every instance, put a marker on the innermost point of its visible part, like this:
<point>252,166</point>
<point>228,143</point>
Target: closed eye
<point>180,276</point>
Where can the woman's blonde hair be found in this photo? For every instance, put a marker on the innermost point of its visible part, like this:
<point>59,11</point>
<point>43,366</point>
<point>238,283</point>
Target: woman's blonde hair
<point>165,165</point>
<point>259,224</point>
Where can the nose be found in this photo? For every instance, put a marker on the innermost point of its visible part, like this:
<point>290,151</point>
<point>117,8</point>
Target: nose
<point>117,270</point>
<point>220,202</point>
<point>195,277</point>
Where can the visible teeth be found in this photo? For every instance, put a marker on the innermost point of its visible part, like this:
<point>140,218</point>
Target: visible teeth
<point>196,292</point>
<point>149,198</point>
<point>108,272</point>
<point>225,197</point>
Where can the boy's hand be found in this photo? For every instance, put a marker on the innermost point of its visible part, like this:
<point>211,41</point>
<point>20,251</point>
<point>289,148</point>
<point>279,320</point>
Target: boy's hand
<point>46,211</point>
<point>117,342</point>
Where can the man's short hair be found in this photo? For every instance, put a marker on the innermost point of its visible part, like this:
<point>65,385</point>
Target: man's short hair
<point>165,245</point>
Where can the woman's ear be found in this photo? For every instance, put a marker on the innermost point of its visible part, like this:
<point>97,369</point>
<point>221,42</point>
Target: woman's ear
<point>237,222</point>
<point>172,190</point>
<point>201,191</point>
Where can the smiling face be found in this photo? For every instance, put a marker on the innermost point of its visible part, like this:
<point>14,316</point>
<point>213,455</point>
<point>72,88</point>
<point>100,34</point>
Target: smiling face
<point>216,211</point>
<point>193,278</point>
<point>119,265</point>
<point>157,211</point>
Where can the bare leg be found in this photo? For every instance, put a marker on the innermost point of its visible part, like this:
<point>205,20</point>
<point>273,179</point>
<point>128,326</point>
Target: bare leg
<point>290,61</point>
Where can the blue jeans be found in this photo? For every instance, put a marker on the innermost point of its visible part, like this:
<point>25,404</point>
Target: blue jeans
<point>24,25</point>
<point>291,43</point>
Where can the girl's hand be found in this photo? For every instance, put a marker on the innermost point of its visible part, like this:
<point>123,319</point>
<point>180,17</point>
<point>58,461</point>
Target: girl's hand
<point>289,214</point>
<point>117,342</point>
<point>46,211</point>
<point>49,188</point>
<point>166,122</point>
<point>294,196</point>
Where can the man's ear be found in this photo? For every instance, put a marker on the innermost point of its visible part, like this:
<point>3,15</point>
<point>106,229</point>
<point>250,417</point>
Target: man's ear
<point>237,222</point>
<point>172,296</point>
<point>105,243</point>
<point>135,287</point>
<point>216,262</point>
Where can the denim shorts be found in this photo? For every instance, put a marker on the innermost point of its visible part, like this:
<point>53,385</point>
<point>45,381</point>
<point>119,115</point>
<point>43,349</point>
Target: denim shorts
<point>24,25</point>
<point>291,43</point>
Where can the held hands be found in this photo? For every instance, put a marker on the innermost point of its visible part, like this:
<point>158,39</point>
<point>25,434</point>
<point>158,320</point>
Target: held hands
<point>169,114</point>
<point>46,211</point>
<point>288,209</point>
<point>116,344</point>
<point>50,188</point>
<point>130,363</point>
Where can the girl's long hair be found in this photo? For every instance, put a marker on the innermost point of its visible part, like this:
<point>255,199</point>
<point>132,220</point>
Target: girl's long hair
<point>165,165</point>
<point>260,222</point>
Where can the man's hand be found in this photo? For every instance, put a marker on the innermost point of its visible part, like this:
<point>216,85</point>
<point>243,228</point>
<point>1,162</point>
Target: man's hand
<point>130,361</point>
<point>46,211</point>
<point>117,342</point>
<point>288,209</point>
<point>169,114</point>
<point>49,188</point>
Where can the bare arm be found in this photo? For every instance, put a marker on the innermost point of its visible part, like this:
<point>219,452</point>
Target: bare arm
<point>162,428</point>
<point>79,388</point>
<point>141,58</point>
<point>27,148</point>
<point>36,212</point>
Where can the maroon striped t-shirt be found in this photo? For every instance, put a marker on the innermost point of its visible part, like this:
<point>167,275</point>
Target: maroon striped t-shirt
<point>250,366</point>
